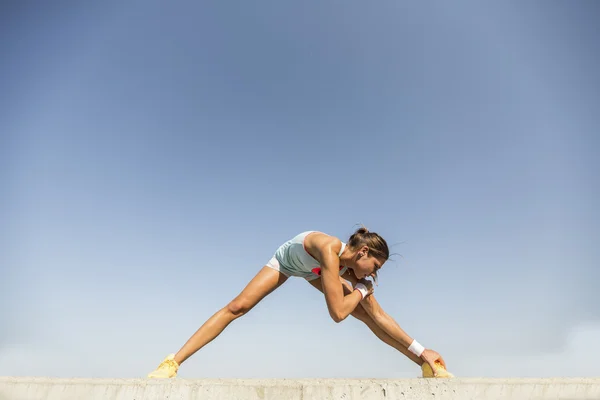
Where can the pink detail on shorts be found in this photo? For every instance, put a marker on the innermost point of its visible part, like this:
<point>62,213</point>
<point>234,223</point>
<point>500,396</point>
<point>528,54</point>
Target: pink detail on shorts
<point>317,271</point>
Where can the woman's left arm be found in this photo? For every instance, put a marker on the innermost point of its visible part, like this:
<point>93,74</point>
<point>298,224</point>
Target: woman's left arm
<point>391,327</point>
<point>385,322</point>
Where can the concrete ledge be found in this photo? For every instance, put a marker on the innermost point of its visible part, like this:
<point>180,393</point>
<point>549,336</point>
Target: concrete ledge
<point>26,388</point>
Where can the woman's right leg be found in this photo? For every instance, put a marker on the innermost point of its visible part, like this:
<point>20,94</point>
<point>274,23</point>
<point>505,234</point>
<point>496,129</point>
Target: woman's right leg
<point>266,281</point>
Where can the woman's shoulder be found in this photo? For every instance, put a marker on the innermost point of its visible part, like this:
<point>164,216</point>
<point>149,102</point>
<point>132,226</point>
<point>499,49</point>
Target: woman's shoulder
<point>321,239</point>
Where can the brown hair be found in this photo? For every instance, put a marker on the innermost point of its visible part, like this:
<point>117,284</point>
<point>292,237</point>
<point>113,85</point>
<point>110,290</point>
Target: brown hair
<point>377,245</point>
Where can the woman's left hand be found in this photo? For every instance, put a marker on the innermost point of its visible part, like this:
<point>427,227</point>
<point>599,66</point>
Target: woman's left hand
<point>430,357</point>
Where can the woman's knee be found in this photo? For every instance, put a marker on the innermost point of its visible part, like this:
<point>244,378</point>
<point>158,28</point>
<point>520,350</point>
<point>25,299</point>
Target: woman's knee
<point>239,306</point>
<point>360,313</point>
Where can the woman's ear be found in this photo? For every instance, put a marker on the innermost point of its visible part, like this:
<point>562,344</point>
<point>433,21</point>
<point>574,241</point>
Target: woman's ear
<point>364,251</point>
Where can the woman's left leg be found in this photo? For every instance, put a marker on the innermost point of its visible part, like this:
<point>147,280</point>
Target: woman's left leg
<point>361,314</point>
<point>265,282</point>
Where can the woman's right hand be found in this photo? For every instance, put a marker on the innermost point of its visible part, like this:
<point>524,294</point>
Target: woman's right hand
<point>369,286</point>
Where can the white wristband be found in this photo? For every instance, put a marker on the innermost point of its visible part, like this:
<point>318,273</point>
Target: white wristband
<point>362,289</point>
<point>416,348</point>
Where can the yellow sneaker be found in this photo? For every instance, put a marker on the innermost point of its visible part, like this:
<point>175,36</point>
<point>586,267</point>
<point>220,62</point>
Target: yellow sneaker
<point>442,373</point>
<point>167,369</point>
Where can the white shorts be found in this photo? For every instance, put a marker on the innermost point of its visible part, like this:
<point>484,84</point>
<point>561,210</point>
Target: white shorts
<point>274,263</point>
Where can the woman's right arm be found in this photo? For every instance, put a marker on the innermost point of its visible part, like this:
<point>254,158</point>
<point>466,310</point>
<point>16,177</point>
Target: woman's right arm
<point>325,249</point>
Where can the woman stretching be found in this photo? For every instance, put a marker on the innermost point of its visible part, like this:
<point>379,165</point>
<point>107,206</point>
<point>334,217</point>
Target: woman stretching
<point>327,264</point>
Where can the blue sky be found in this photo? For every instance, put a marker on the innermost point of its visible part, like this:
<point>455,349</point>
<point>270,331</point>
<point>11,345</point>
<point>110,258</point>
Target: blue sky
<point>154,156</point>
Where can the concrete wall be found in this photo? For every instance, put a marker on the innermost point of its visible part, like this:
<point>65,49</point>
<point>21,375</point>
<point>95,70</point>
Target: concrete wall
<point>297,389</point>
